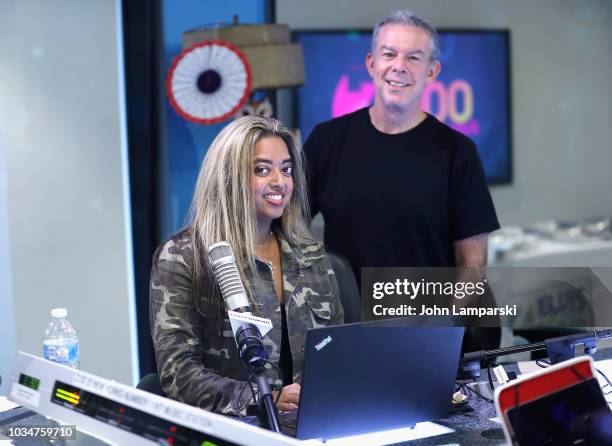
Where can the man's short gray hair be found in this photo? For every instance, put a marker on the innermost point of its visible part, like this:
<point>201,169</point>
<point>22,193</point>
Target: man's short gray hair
<point>410,18</point>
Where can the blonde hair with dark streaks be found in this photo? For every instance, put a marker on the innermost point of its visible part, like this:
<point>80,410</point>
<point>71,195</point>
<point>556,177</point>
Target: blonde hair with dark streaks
<point>223,206</point>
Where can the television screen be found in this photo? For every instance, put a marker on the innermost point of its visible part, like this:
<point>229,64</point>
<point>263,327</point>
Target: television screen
<point>471,94</point>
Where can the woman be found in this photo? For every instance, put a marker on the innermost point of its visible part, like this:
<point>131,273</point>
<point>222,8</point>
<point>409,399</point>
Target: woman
<point>250,192</point>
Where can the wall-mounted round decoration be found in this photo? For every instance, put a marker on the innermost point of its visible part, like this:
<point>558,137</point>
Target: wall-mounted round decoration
<point>209,82</point>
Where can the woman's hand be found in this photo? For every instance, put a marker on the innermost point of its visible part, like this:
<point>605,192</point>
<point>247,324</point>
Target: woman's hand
<point>289,397</point>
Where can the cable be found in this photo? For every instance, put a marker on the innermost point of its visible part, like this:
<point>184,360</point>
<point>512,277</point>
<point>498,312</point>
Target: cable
<point>249,383</point>
<point>280,376</point>
<point>238,408</point>
<point>608,383</point>
<point>475,392</point>
<point>278,371</point>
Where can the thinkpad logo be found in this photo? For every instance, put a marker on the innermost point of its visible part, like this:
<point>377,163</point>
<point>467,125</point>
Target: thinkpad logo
<point>323,343</point>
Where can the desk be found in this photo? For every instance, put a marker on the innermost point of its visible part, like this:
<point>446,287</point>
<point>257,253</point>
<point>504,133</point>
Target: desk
<point>468,427</point>
<point>546,252</point>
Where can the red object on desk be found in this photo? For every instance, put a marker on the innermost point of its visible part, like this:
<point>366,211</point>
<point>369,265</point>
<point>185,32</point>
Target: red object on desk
<point>550,381</point>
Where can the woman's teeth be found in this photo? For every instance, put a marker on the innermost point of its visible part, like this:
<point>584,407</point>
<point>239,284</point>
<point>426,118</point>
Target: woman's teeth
<point>274,199</point>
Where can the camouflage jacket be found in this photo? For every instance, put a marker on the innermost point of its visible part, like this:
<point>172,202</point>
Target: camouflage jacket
<point>198,363</point>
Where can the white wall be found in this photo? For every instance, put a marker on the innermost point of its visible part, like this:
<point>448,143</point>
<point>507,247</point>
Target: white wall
<point>62,119</point>
<point>561,92</point>
<point>7,326</point>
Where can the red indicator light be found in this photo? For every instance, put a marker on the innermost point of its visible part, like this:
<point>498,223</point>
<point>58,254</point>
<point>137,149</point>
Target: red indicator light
<point>121,410</point>
<point>170,440</point>
<point>173,429</point>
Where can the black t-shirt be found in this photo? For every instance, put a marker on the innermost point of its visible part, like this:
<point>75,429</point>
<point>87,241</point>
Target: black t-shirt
<point>396,200</point>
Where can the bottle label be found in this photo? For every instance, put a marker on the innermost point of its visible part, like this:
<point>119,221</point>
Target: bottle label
<point>63,353</point>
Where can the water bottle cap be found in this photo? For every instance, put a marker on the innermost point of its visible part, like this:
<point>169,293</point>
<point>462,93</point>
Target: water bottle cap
<point>59,313</point>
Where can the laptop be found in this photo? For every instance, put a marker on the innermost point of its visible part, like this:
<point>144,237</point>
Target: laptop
<point>367,377</point>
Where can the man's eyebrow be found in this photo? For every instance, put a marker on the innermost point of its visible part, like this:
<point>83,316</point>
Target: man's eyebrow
<point>415,52</point>
<point>385,47</point>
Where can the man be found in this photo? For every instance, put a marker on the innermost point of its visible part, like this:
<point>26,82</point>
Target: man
<point>395,186</point>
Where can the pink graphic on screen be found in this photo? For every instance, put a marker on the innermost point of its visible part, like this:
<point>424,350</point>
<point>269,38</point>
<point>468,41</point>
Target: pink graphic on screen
<point>345,101</point>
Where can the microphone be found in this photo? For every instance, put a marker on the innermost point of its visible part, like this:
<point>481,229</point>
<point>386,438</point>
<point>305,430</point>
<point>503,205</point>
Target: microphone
<point>248,337</point>
<point>226,272</point>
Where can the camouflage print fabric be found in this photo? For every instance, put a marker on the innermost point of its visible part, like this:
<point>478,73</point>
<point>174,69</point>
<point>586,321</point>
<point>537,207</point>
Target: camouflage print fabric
<point>199,366</point>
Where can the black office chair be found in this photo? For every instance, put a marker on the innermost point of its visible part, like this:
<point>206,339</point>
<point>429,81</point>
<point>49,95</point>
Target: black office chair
<point>349,292</point>
<point>150,383</point>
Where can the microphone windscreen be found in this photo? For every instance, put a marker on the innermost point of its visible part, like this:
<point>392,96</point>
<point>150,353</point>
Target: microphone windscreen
<point>219,250</point>
<point>225,270</point>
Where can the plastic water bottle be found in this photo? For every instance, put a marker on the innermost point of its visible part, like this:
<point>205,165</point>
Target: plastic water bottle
<point>60,343</point>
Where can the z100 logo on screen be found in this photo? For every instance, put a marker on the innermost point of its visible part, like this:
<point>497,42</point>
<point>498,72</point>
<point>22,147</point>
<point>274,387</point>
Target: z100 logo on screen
<point>452,104</point>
